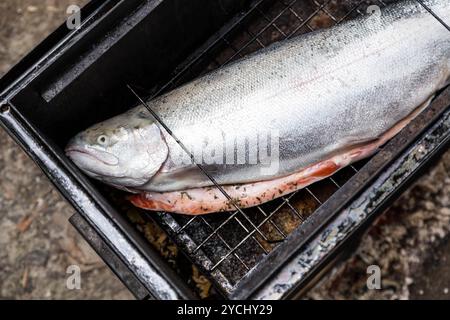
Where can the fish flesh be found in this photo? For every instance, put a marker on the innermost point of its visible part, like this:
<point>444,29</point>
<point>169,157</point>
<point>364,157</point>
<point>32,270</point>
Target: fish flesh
<point>277,120</point>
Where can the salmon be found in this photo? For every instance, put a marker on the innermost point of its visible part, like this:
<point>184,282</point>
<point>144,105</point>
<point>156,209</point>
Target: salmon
<point>277,120</point>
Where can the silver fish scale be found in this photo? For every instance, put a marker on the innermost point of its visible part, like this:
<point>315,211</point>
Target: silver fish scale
<point>323,92</point>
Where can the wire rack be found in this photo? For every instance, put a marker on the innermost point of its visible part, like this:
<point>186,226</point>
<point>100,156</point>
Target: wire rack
<point>226,246</point>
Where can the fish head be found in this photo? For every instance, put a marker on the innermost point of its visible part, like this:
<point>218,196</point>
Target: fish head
<point>125,151</point>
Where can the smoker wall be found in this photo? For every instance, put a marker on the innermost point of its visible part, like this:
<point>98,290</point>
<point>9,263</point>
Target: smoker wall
<point>140,44</point>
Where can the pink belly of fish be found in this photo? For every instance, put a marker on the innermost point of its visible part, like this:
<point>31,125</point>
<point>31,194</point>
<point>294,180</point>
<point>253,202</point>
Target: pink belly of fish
<point>197,201</point>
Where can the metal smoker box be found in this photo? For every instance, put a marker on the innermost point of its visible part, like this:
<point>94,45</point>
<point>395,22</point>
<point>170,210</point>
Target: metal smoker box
<point>128,50</point>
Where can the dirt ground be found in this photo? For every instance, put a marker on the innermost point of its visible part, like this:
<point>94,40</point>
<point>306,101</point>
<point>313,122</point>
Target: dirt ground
<point>410,242</point>
<point>37,244</point>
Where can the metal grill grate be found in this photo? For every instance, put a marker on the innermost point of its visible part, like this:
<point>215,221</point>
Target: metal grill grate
<point>228,245</point>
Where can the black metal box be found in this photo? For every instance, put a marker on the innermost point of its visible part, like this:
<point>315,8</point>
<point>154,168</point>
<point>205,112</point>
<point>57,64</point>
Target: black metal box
<point>76,78</point>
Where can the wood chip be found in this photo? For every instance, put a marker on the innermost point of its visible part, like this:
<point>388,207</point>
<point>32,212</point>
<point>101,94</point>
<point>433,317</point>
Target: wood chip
<point>25,223</point>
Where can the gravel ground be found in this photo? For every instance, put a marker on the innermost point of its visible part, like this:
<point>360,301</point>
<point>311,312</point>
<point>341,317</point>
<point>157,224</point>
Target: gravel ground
<point>37,244</point>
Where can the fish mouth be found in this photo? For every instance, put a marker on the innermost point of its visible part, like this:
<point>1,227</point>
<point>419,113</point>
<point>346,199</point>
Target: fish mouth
<point>83,155</point>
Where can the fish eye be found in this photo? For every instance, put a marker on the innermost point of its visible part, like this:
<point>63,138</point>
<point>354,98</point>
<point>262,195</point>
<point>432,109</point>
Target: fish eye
<point>102,140</point>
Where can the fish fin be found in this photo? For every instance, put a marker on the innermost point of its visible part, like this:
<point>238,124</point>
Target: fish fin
<point>446,83</point>
<point>422,107</point>
<point>176,177</point>
<point>393,131</point>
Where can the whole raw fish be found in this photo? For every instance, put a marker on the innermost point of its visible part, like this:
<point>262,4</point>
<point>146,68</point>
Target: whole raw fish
<point>311,105</point>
